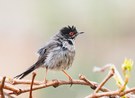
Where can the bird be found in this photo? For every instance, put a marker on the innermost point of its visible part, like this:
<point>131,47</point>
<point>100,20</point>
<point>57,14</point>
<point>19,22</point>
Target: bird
<point>58,53</point>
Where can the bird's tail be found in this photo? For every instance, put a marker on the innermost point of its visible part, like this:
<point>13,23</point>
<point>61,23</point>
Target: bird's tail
<point>25,73</point>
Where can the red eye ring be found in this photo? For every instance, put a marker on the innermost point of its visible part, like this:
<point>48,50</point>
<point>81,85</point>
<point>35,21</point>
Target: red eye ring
<point>71,33</point>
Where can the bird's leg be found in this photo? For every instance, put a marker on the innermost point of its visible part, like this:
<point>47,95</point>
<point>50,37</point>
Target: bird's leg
<point>45,80</point>
<point>68,76</point>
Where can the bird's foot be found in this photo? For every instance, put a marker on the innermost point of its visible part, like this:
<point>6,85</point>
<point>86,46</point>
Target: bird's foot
<point>71,81</point>
<point>44,81</point>
<point>69,77</point>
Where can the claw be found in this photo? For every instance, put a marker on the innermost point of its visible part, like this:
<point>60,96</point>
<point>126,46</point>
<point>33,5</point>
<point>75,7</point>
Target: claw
<point>45,81</point>
<point>71,81</point>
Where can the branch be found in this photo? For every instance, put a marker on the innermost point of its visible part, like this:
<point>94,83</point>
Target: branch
<point>91,84</point>
<point>114,93</point>
<point>110,74</point>
<point>54,83</point>
<point>11,89</point>
<point>1,87</point>
<point>33,77</point>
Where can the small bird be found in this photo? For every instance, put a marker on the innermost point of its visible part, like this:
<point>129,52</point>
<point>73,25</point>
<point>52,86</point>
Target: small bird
<point>57,54</point>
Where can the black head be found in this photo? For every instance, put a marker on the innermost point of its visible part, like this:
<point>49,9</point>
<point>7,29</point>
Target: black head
<point>69,32</point>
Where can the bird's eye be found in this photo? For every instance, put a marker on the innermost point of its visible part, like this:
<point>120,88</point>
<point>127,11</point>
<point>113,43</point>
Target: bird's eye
<point>71,33</point>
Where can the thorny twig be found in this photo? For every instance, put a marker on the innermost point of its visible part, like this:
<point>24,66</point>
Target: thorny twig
<point>92,85</point>
<point>111,93</point>
<point>94,95</point>
<point>38,84</point>
<point>110,74</point>
<point>33,77</point>
<point>10,86</point>
<point>1,88</point>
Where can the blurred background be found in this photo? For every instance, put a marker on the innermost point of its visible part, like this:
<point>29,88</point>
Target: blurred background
<point>26,25</point>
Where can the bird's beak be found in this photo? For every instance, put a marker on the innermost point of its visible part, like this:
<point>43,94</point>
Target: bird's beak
<point>80,32</point>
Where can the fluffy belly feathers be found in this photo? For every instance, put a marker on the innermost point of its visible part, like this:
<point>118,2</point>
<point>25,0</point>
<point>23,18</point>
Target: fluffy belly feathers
<point>59,59</point>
